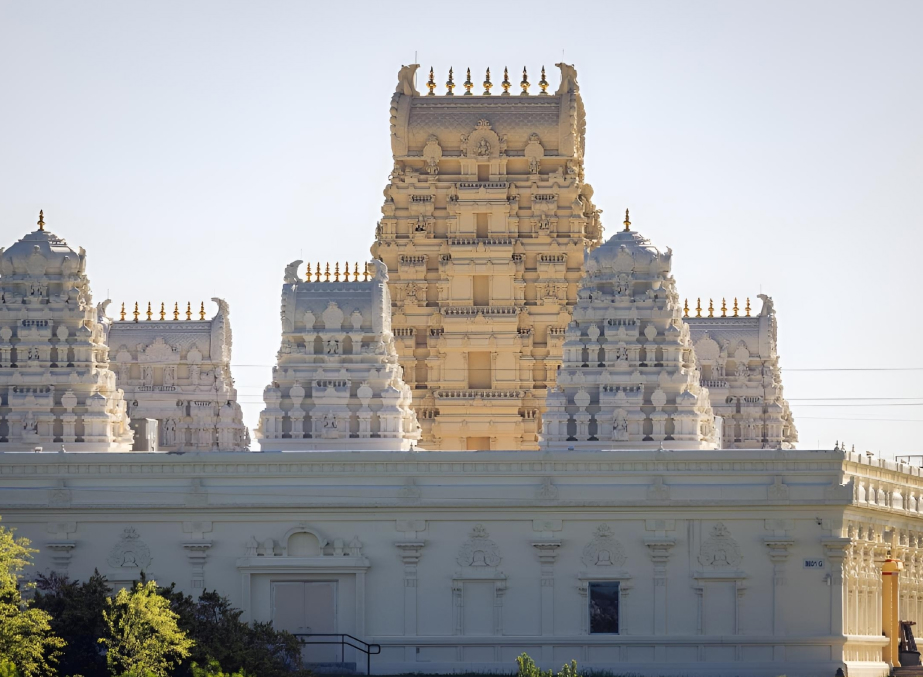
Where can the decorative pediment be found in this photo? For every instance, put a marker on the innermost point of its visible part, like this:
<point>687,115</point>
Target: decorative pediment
<point>130,551</point>
<point>159,351</point>
<point>479,550</point>
<point>720,550</point>
<point>483,143</point>
<point>604,550</point>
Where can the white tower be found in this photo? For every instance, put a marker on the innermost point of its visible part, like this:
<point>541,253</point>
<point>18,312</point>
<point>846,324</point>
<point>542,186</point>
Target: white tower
<point>55,385</point>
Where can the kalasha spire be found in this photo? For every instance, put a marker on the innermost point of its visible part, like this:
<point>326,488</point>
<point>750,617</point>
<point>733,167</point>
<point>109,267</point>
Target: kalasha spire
<point>41,219</point>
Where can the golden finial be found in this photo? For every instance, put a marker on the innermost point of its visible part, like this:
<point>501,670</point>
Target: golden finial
<point>149,313</point>
<point>41,219</point>
<point>450,85</point>
<point>317,278</point>
<point>136,313</point>
<point>122,318</point>
<point>327,274</point>
<point>686,308</point>
<point>543,83</point>
<point>487,84</point>
<point>431,83</point>
<point>506,84</point>
<point>711,308</point>
<point>748,307</point>
<point>724,308</point>
<point>336,272</point>
<point>176,311</point>
<point>163,311</point>
<point>525,83</point>
<point>467,84</point>
<point>188,311</point>
<point>627,222</point>
<point>698,307</point>
<point>365,272</point>
<point>735,306</point>
<point>356,272</point>
<point>202,311</point>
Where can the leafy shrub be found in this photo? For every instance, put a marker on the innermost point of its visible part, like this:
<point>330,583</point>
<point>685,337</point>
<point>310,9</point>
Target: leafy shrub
<point>528,668</point>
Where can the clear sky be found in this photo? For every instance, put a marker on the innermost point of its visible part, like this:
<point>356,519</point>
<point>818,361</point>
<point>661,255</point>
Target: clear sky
<point>195,148</point>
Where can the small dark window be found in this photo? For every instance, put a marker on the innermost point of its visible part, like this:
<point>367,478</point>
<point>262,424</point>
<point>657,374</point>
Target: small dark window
<point>604,608</point>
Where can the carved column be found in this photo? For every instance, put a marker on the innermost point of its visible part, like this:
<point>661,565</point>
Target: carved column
<point>778,554</point>
<point>410,552</point>
<point>62,545</point>
<point>659,550</point>
<point>197,553</point>
<point>410,548</point>
<point>197,550</point>
<point>836,550</point>
<point>547,552</point>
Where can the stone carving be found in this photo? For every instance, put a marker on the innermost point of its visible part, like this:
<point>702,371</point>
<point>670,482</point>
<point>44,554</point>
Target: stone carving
<point>568,79</point>
<point>547,491</point>
<point>778,491</point>
<point>405,79</point>
<point>410,490</point>
<point>658,491</point>
<point>604,550</point>
<point>291,272</point>
<point>432,153</point>
<point>130,551</point>
<point>534,152</point>
<point>479,550</point>
<point>720,550</point>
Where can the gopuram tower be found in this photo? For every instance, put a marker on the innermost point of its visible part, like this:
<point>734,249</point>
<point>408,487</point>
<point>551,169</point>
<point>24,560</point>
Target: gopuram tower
<point>484,227</point>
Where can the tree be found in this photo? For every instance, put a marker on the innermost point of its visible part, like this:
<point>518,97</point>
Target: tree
<point>142,637</point>
<point>222,638</point>
<point>26,640</point>
<point>76,610</point>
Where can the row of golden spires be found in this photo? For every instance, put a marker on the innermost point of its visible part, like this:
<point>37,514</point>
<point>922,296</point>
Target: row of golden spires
<point>163,312</point>
<point>711,308</point>
<point>336,273</point>
<point>469,85</point>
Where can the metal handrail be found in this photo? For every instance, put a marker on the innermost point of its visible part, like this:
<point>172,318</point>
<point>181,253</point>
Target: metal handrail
<point>368,649</point>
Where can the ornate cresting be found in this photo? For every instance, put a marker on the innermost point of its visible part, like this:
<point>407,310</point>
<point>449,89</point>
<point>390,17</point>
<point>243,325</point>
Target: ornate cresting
<point>483,233</point>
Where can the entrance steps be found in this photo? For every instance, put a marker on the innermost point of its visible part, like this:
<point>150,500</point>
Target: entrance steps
<point>909,671</point>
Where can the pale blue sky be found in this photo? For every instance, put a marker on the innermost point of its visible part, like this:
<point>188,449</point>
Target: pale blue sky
<point>195,148</point>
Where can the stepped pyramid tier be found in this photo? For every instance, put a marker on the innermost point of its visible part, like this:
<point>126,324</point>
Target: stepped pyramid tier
<point>484,226</point>
<point>56,389</point>
<point>337,381</point>
<point>175,369</point>
<point>739,362</point>
<point>629,378</point>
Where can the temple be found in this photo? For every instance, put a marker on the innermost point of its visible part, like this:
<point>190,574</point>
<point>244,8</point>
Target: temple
<point>175,371</point>
<point>57,389</point>
<point>629,377</point>
<point>502,434</point>
<point>337,382</point>
<point>486,218</point>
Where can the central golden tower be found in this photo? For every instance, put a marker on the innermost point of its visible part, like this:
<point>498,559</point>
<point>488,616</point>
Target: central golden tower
<point>484,227</point>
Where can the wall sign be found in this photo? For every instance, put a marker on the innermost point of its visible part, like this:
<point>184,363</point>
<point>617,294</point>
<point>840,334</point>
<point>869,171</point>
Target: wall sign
<point>814,563</point>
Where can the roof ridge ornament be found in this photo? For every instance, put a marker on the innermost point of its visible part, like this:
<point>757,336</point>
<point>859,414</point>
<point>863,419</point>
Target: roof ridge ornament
<point>627,222</point>
<point>41,219</point>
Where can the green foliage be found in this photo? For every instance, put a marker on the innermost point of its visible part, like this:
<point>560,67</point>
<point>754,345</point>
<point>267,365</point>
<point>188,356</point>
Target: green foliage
<point>76,610</point>
<point>221,637</point>
<point>27,643</point>
<point>212,669</point>
<point>142,638</point>
<point>528,668</point>
<point>7,669</point>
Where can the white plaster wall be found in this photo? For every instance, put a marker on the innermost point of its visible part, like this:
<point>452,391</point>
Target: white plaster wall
<point>366,495</point>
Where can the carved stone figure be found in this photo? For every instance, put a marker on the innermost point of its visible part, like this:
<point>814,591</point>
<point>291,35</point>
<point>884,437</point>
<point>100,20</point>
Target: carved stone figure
<point>719,550</point>
<point>405,79</point>
<point>130,551</point>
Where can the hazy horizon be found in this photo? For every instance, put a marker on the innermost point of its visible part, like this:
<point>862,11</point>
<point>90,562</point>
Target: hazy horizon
<point>194,149</point>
